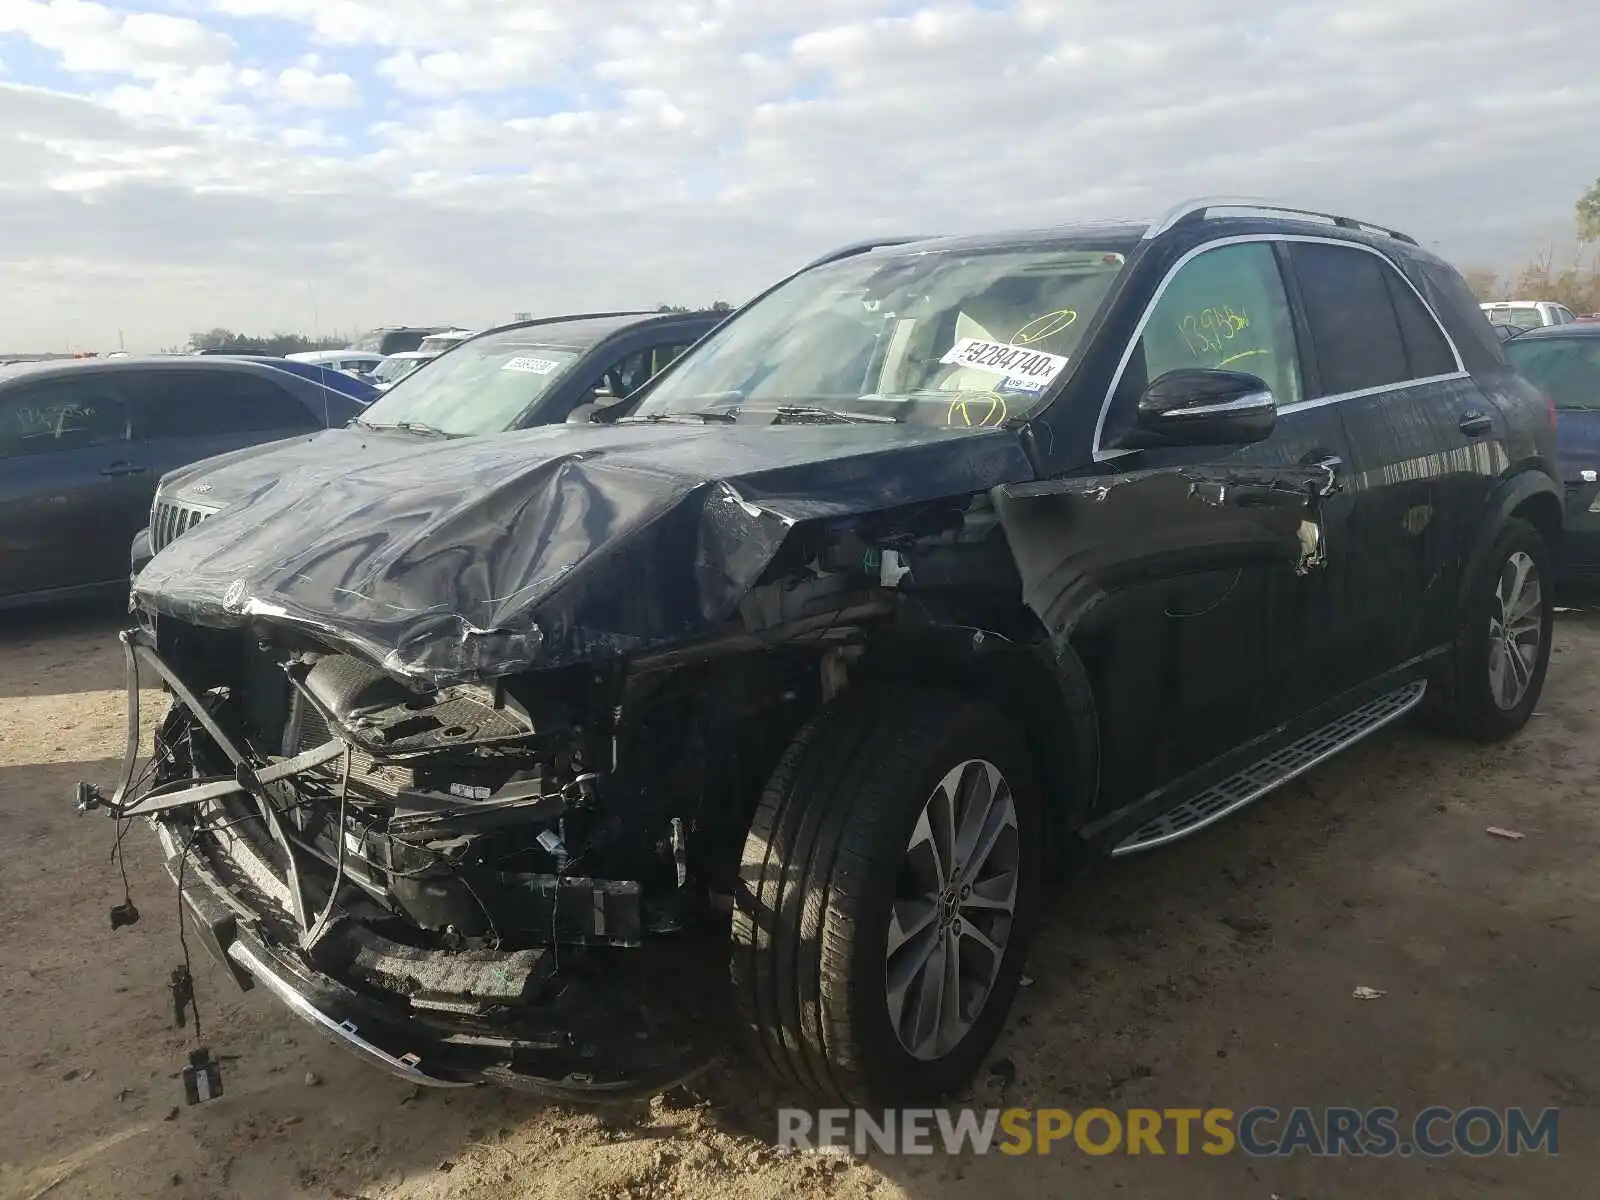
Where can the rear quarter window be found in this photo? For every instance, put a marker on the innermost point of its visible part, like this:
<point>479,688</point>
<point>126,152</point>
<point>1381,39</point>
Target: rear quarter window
<point>1468,325</point>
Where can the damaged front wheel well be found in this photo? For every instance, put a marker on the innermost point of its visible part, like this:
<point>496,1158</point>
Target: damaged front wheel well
<point>1047,697</point>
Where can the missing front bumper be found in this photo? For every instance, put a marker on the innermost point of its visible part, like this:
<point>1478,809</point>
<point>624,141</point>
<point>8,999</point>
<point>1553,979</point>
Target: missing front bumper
<point>608,1024</point>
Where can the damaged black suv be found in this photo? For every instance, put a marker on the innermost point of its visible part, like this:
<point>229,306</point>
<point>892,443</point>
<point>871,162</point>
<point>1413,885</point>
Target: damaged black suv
<point>527,759</point>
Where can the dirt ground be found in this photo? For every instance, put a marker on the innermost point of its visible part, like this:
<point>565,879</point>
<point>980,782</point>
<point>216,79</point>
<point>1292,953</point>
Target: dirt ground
<point>1217,972</point>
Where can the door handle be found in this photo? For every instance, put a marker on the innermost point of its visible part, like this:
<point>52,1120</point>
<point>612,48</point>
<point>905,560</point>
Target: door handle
<point>1476,424</point>
<point>118,469</point>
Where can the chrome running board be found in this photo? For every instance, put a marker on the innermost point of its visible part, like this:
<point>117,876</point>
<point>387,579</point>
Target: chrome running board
<point>1276,769</point>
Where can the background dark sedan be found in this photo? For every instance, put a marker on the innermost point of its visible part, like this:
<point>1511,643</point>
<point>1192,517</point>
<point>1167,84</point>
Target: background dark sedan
<point>83,442</point>
<point>1563,361</point>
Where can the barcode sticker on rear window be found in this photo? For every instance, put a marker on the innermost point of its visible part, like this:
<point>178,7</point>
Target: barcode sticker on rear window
<point>533,366</point>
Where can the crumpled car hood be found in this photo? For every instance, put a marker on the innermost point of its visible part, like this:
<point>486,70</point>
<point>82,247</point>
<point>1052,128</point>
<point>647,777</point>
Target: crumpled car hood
<point>548,546</point>
<point>220,480</point>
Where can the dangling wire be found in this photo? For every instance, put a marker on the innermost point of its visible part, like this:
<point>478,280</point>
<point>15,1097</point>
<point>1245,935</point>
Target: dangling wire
<point>118,853</point>
<point>319,927</point>
<point>183,941</point>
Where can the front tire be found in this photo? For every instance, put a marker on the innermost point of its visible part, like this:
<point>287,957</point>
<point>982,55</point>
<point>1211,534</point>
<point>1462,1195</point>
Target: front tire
<point>889,885</point>
<point>1495,672</point>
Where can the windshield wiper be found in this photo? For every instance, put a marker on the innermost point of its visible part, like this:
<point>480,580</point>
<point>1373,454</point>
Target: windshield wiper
<point>421,427</point>
<point>832,415</point>
<point>729,415</point>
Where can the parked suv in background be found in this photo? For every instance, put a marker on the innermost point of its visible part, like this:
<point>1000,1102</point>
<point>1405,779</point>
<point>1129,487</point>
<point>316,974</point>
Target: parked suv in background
<point>514,377</point>
<point>83,442</point>
<point>1528,314</point>
<point>932,561</point>
<point>360,363</point>
<point>394,339</point>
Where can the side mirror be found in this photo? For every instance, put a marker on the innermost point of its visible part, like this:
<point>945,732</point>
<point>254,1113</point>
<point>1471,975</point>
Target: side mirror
<point>1202,406</point>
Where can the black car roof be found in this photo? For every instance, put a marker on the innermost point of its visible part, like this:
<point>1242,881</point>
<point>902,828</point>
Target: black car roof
<point>1190,222</point>
<point>180,362</point>
<point>590,329</point>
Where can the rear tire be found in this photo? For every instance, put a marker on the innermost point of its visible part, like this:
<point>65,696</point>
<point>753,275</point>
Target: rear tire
<point>1495,673</point>
<point>838,862</point>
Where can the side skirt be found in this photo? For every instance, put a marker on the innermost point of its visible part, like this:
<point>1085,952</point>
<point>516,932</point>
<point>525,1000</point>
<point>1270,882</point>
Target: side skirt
<point>1228,784</point>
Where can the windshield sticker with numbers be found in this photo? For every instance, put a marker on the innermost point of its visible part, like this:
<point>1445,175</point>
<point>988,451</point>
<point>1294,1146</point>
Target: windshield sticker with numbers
<point>1025,369</point>
<point>534,366</point>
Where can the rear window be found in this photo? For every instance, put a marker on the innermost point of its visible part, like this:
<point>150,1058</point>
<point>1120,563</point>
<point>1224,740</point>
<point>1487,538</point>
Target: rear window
<point>1522,318</point>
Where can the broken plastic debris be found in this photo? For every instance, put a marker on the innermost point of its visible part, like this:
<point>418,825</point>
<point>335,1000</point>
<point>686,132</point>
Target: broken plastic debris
<point>1511,835</point>
<point>1366,993</point>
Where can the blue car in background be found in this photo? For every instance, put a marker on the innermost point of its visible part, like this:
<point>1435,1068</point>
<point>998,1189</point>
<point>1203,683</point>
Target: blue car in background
<point>1563,361</point>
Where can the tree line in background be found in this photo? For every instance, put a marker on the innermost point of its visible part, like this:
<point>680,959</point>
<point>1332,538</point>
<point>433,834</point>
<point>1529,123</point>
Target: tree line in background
<point>714,306</point>
<point>229,341</point>
<point>1575,283</point>
<point>277,344</point>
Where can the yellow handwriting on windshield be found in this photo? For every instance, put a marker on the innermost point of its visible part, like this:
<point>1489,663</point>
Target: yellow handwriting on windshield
<point>1047,325</point>
<point>976,408</point>
<point>1209,329</point>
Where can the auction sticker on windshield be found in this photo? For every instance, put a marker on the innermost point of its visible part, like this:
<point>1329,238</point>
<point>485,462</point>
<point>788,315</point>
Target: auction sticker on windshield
<point>534,366</point>
<point>1025,369</point>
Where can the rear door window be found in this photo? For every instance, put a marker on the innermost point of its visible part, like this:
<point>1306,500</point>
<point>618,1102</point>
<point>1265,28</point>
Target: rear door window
<point>70,413</point>
<point>192,404</point>
<point>1355,332</point>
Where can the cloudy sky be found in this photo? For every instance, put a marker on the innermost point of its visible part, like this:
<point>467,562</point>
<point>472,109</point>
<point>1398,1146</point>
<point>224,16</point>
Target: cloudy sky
<point>170,165</point>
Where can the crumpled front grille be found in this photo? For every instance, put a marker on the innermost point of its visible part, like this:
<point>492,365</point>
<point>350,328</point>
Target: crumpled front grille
<point>173,518</point>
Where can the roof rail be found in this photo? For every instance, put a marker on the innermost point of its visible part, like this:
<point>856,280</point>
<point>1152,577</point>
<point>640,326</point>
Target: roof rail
<point>557,318</point>
<point>1196,210</point>
<point>861,247</point>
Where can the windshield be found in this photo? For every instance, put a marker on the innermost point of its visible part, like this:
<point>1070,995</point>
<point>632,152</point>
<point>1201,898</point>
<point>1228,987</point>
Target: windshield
<point>1565,369</point>
<point>911,335</point>
<point>482,386</point>
<point>439,343</point>
<point>392,369</point>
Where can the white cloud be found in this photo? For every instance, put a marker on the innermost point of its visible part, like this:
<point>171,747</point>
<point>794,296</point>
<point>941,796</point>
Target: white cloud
<point>94,39</point>
<point>254,161</point>
<point>304,88</point>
